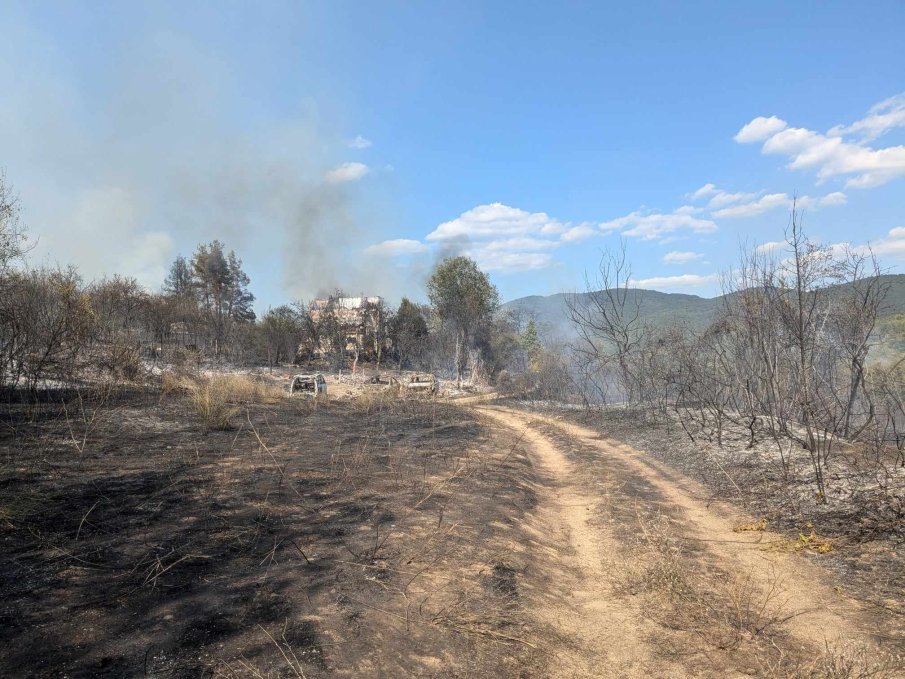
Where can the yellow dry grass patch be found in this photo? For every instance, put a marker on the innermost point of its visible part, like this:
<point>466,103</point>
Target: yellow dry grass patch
<point>215,398</point>
<point>812,542</point>
<point>173,382</point>
<point>755,526</point>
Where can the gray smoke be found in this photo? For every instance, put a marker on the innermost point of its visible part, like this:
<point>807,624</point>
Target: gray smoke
<point>160,154</point>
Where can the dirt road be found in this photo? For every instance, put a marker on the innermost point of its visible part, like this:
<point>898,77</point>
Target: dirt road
<point>647,577</point>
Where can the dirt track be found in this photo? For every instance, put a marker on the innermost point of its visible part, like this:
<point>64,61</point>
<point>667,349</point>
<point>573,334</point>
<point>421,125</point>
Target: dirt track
<point>591,488</point>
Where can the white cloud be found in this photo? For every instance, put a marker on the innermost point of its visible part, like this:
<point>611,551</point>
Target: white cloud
<point>656,226</point>
<point>495,220</point>
<point>680,257</point>
<point>347,172</point>
<point>577,233</point>
<point>776,200</point>
<point>504,238</point>
<point>893,245</point>
<point>829,200</point>
<point>359,143</point>
<point>681,282</point>
<point>722,199</point>
<point>395,247</point>
<point>831,155</point>
<point>718,197</point>
<point>760,129</point>
<point>762,204</point>
<point>519,244</point>
<point>882,117</point>
<point>509,261</point>
<point>703,192</point>
<point>771,246</point>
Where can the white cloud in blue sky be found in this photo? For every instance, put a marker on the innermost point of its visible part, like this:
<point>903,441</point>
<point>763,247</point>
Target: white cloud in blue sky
<point>347,172</point>
<point>359,143</point>
<point>681,282</point>
<point>487,229</point>
<point>682,257</point>
<point>830,155</point>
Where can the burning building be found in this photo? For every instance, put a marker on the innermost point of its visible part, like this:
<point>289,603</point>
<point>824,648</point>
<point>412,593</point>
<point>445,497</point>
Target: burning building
<point>357,322</point>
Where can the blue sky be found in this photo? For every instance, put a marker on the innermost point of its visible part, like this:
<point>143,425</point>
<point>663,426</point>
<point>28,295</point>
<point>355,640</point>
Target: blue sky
<point>352,144</point>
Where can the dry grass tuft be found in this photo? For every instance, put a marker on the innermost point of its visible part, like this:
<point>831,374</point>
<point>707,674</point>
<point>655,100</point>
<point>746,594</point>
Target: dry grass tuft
<point>212,403</point>
<point>215,398</point>
<point>245,389</point>
<point>810,542</point>
<point>852,661</point>
<point>663,568</point>
<point>176,382</point>
<point>370,402</point>
<point>756,526</point>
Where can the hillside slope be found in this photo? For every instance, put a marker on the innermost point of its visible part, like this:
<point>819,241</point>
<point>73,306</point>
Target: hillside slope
<point>661,308</point>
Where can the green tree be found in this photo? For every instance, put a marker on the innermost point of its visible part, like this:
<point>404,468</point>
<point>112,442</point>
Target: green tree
<point>531,342</point>
<point>408,331</point>
<point>221,288</point>
<point>463,297</point>
<point>281,331</point>
<point>178,282</point>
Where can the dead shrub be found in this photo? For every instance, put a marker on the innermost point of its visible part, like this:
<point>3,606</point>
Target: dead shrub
<point>744,609</point>
<point>846,661</point>
<point>184,360</point>
<point>120,361</point>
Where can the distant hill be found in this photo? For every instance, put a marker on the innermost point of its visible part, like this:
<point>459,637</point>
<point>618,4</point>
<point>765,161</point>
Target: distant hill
<point>661,308</point>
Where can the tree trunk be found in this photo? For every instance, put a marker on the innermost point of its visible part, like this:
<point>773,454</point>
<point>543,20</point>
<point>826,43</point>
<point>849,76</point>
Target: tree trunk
<point>458,360</point>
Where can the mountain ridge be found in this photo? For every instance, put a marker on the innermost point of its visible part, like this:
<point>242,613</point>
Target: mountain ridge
<point>660,308</point>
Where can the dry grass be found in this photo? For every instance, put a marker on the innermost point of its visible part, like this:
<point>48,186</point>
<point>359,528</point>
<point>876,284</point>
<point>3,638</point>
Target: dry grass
<point>215,398</point>
<point>370,402</point>
<point>726,610</point>
<point>804,542</point>
<point>845,661</point>
<point>663,568</point>
<point>176,382</point>
<point>754,526</point>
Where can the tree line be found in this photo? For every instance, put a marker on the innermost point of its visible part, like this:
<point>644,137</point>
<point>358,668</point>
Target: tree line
<point>57,329</point>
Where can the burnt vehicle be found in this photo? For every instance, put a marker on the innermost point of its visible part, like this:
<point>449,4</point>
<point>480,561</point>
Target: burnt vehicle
<point>313,385</point>
<point>419,383</point>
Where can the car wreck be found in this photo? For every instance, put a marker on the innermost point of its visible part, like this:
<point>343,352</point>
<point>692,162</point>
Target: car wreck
<point>424,384</point>
<point>314,385</point>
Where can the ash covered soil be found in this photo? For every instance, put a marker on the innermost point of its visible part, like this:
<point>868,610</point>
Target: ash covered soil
<point>369,537</point>
<point>382,536</point>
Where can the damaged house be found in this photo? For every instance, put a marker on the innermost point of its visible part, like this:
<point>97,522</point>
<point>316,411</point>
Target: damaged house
<point>354,323</point>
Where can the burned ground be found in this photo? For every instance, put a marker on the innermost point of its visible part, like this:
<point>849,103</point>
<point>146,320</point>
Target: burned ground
<point>349,538</point>
<point>376,535</point>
